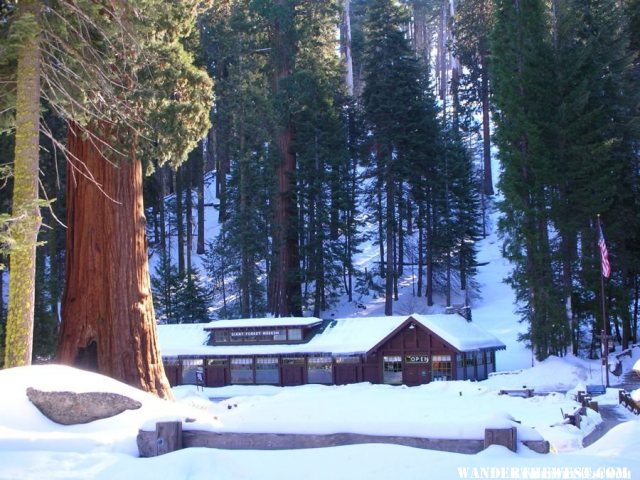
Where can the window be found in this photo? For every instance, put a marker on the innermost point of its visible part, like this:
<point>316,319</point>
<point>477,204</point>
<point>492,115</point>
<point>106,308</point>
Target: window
<point>293,361</point>
<point>189,369</point>
<point>392,369</point>
<point>295,334</point>
<point>221,336</point>
<point>171,361</point>
<point>348,359</point>
<point>319,370</point>
<point>267,370</point>
<point>217,362</point>
<point>280,335</point>
<point>441,367</point>
<point>241,370</point>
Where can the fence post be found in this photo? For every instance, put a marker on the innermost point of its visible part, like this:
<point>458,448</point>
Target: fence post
<point>168,437</point>
<point>507,437</point>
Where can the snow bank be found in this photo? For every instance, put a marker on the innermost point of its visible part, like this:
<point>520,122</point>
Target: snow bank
<point>23,427</point>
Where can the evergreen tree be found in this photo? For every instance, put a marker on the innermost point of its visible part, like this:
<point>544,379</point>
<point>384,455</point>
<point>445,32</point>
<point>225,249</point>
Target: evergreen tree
<point>472,26</point>
<point>108,319</point>
<point>521,56</point>
<point>192,299</point>
<point>393,108</point>
<point>165,284</point>
<point>234,44</point>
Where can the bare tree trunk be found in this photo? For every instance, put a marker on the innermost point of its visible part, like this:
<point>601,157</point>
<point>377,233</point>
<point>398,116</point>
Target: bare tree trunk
<point>390,214</point>
<point>429,259</point>
<point>200,186</point>
<point>108,318</point>
<point>179,189</point>
<point>486,135</point>
<point>188,167</point>
<point>380,231</point>
<point>420,222</point>
<point>345,44</point>
<point>162,193</point>
<point>25,210</point>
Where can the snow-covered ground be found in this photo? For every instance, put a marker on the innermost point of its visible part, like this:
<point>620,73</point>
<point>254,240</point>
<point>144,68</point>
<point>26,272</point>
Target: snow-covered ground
<point>33,447</point>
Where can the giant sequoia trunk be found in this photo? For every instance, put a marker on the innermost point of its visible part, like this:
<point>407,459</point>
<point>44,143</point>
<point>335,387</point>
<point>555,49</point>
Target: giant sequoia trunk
<point>285,291</point>
<point>108,317</point>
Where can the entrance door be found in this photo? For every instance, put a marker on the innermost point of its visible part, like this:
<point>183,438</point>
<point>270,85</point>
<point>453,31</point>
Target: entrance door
<point>216,376</point>
<point>415,375</point>
<point>291,375</point>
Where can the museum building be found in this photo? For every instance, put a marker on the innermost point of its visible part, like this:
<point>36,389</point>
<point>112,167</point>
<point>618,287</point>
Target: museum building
<point>409,350</point>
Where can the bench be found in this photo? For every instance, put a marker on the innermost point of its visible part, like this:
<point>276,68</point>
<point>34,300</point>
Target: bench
<point>518,392</point>
<point>593,390</point>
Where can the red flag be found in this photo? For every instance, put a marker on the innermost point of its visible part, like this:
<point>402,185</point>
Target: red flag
<point>605,266</point>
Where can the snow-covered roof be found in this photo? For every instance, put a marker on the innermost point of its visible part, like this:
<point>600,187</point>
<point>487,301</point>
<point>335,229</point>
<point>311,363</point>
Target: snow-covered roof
<point>264,322</point>
<point>458,332</point>
<point>341,337</point>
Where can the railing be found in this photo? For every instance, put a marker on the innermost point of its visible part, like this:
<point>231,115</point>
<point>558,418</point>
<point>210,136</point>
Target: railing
<point>169,436</point>
<point>624,398</point>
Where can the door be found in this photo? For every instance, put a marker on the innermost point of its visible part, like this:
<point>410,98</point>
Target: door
<point>415,375</point>
<point>346,373</point>
<point>216,376</point>
<point>292,375</point>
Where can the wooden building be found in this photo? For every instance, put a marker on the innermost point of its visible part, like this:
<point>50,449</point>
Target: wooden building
<point>409,350</point>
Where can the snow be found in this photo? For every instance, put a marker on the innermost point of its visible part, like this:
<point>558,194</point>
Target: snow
<point>455,330</point>
<point>32,447</point>
<point>265,322</point>
<point>343,336</point>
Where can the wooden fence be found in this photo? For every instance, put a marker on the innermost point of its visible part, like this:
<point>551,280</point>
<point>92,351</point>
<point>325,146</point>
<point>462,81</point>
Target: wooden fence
<point>624,398</point>
<point>169,436</point>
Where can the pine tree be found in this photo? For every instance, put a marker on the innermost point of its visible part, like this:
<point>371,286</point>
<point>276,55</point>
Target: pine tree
<point>472,26</point>
<point>392,102</point>
<point>192,299</point>
<point>234,44</point>
<point>521,55</point>
<point>165,284</point>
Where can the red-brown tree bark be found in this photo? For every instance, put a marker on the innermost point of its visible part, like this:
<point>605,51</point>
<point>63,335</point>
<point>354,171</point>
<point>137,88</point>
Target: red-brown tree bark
<point>285,294</point>
<point>108,317</point>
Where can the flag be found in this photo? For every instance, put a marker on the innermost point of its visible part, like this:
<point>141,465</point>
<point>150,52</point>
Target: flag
<point>605,266</point>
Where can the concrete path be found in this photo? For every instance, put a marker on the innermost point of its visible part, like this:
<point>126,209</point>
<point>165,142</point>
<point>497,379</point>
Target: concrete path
<point>612,415</point>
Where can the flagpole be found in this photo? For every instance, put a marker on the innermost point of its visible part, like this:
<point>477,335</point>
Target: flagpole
<point>605,339</point>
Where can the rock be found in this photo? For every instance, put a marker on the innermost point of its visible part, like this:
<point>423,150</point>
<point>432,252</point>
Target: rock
<point>69,408</point>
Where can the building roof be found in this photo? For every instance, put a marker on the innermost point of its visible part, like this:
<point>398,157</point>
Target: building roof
<point>264,322</point>
<point>341,337</point>
<point>459,333</point>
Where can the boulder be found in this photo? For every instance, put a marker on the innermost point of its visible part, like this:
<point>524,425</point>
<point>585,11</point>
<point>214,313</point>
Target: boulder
<point>70,408</point>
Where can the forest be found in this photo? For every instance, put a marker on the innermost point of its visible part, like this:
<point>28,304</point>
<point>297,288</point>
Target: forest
<point>322,124</point>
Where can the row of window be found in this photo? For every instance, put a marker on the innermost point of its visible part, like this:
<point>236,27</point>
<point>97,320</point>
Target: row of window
<point>257,335</point>
<point>261,370</point>
<point>476,358</point>
<point>266,370</point>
